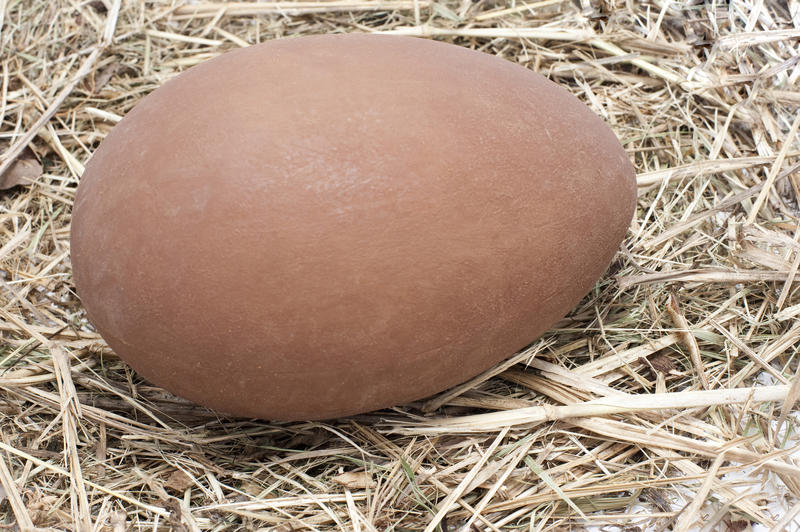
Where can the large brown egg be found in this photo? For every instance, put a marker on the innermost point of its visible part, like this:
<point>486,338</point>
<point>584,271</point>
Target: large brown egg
<point>316,227</point>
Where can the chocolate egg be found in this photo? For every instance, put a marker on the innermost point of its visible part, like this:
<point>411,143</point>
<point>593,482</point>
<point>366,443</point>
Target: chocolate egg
<point>323,226</point>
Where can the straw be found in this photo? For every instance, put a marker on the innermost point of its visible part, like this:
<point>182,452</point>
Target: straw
<point>665,400</point>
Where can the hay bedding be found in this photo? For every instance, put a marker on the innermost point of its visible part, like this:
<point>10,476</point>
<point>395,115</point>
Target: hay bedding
<point>663,402</point>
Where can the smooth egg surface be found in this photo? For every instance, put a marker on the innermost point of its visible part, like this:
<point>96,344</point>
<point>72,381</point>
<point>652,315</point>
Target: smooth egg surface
<point>323,226</point>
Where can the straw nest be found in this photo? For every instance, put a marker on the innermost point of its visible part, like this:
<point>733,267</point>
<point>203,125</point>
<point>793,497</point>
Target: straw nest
<point>664,401</point>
